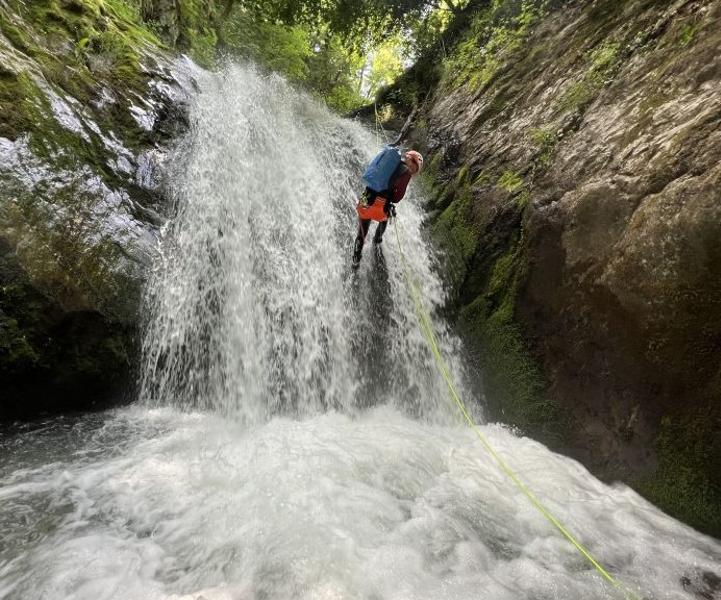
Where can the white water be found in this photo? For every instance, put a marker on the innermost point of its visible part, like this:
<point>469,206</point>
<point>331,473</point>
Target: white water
<point>293,439</point>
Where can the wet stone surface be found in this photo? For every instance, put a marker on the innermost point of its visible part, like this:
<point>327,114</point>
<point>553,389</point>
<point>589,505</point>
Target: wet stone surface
<point>82,197</point>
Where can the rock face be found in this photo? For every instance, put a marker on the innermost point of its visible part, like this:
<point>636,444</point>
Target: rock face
<point>189,25</point>
<point>88,104</point>
<point>576,153</point>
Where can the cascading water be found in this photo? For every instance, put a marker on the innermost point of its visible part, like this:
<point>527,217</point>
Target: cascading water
<point>292,438</point>
<point>254,309</point>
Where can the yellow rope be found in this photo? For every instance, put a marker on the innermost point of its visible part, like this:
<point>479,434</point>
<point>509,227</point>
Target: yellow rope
<point>427,329</point>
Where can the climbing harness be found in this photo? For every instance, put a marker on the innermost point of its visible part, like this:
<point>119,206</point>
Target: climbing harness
<point>424,321</point>
<point>375,211</point>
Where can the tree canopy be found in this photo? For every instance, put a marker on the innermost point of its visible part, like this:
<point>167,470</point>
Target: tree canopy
<point>344,50</point>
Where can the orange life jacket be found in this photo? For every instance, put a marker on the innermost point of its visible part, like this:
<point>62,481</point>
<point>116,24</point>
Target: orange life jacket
<point>375,211</point>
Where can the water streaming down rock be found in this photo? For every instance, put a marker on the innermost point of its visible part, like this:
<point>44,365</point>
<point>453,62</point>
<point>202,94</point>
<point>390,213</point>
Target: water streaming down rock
<point>254,309</point>
<point>271,456</point>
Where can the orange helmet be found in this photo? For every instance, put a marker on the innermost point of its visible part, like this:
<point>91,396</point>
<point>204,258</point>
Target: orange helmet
<point>416,158</point>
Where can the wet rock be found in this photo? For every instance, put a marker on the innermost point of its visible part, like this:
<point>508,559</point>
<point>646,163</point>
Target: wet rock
<point>595,315</point>
<point>81,199</point>
<point>703,585</point>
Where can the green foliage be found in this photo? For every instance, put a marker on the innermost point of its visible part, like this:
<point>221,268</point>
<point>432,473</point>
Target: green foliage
<point>320,45</point>
<point>686,483</point>
<point>427,28</point>
<point>385,67</point>
<point>340,35</point>
<point>333,73</point>
<point>357,18</point>
<point>319,61</point>
<point>275,46</point>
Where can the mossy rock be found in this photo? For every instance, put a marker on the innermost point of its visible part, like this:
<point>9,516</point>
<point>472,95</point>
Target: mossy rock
<point>687,481</point>
<point>515,387</point>
<point>70,275</point>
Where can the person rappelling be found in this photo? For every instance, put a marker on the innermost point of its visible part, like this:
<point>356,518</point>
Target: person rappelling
<point>386,178</point>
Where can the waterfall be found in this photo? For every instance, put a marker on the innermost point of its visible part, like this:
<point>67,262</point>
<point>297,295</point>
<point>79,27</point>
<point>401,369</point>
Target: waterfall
<point>254,309</point>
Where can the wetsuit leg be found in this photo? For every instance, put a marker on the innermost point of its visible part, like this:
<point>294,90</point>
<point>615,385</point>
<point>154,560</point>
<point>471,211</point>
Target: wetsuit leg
<point>363,225</point>
<point>380,230</point>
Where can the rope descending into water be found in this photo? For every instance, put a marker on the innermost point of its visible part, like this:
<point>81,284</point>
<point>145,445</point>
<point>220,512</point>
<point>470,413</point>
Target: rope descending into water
<point>424,321</point>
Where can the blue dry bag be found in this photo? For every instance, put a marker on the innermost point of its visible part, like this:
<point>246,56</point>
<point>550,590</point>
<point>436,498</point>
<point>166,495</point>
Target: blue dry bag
<point>377,175</point>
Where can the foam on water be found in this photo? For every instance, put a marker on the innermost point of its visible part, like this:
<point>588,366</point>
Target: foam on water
<point>293,437</point>
<point>164,504</point>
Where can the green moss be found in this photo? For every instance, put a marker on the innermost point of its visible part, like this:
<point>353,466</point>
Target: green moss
<point>203,48</point>
<point>604,57</point>
<point>20,103</point>
<point>523,198</point>
<point>513,183</point>
<point>17,37</point>
<point>22,313</point>
<point>197,34</point>
<point>687,34</point>
<point>62,255</point>
<point>483,178</point>
<point>111,28</point>
<point>434,164</point>
<point>578,95</point>
<point>601,63</point>
<point>29,112</point>
<point>76,82</point>
<point>513,381</point>
<point>496,106</point>
<point>510,181</point>
<point>429,179</point>
<point>455,227</point>
<point>107,32</point>
<point>545,141</point>
<point>687,482</point>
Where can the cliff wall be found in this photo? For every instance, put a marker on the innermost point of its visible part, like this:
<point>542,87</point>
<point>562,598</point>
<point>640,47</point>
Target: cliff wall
<point>575,156</point>
<point>89,99</point>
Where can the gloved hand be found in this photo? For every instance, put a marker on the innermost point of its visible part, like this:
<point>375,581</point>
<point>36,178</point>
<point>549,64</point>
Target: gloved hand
<point>393,211</point>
